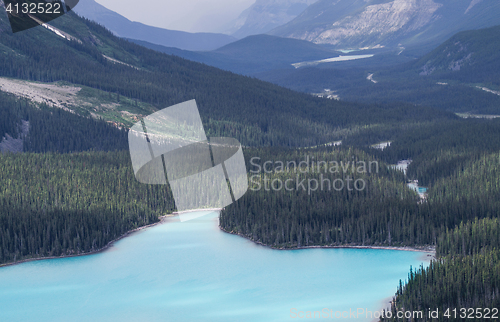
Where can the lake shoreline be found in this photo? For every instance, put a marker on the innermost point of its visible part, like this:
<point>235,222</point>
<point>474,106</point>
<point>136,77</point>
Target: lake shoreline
<point>424,249</point>
<point>161,220</point>
<point>431,250</point>
<point>100,250</point>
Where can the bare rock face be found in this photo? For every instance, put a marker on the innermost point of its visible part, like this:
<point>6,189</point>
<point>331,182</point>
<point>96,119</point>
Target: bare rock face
<point>13,145</point>
<point>379,20</point>
<point>374,22</point>
<point>362,24</point>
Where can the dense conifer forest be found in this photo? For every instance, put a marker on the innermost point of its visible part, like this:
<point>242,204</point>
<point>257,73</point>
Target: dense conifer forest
<point>386,212</point>
<point>56,130</point>
<point>437,149</point>
<point>66,204</point>
<point>459,217</point>
<point>73,190</point>
<point>463,283</point>
<point>367,204</point>
<point>255,112</point>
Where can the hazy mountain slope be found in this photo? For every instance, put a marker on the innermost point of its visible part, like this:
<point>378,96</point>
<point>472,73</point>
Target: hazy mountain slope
<point>255,112</point>
<point>123,27</point>
<point>317,17</point>
<point>253,54</point>
<point>461,75</point>
<point>265,15</point>
<point>470,56</point>
<point>82,100</point>
<point>415,24</point>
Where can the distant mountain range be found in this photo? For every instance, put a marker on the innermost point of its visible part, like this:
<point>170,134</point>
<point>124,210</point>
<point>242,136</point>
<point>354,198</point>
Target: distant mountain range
<point>98,74</point>
<point>417,25</point>
<point>265,15</point>
<point>460,75</point>
<point>253,54</point>
<point>123,27</point>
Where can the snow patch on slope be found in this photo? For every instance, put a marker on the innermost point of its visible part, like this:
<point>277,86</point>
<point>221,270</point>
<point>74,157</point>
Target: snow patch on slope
<point>472,4</point>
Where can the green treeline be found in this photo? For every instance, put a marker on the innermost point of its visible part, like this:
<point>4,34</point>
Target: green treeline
<point>440,150</point>
<point>53,204</point>
<point>380,210</point>
<point>12,111</point>
<point>255,112</point>
<point>384,213</point>
<point>470,238</point>
<point>472,192</point>
<point>55,130</point>
<point>437,149</point>
<point>466,276</point>
<point>424,91</point>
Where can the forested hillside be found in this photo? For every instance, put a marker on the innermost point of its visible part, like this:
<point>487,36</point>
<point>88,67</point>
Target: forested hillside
<point>464,283</point>
<point>67,204</point>
<point>12,111</point>
<point>437,149</point>
<point>385,213</point>
<point>464,280</point>
<point>74,190</point>
<point>460,75</point>
<point>382,213</point>
<point>55,130</point>
<point>255,112</point>
<point>469,56</point>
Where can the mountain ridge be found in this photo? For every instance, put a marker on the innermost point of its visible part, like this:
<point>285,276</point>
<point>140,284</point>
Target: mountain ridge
<point>419,25</point>
<point>123,27</point>
<point>250,110</point>
<point>253,54</point>
<point>265,15</point>
<point>460,75</point>
<point>473,52</point>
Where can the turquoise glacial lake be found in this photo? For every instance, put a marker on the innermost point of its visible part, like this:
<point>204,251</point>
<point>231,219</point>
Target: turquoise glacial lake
<point>192,271</point>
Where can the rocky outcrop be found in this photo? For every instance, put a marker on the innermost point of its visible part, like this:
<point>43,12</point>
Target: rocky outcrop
<point>15,145</point>
<point>379,20</point>
<point>363,24</point>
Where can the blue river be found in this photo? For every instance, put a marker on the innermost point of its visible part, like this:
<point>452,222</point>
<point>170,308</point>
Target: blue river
<point>192,271</point>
